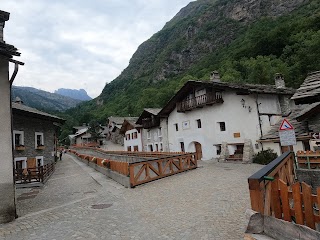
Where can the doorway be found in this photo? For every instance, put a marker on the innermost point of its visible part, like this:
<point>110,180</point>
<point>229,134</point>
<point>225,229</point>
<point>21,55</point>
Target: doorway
<point>198,148</point>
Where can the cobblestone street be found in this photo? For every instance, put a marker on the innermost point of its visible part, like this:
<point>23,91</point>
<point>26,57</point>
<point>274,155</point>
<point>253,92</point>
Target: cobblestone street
<point>79,203</point>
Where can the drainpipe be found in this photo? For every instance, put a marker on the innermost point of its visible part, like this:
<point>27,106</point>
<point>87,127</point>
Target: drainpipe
<point>259,119</point>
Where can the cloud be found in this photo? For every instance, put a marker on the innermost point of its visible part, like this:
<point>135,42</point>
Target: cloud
<point>81,44</point>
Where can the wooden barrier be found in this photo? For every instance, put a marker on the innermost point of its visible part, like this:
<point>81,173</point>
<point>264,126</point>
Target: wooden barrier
<point>37,174</point>
<point>260,182</point>
<point>144,172</point>
<point>295,203</point>
<point>308,159</point>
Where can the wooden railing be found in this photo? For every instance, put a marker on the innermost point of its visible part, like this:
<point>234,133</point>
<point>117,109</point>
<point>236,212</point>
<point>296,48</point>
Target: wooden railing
<point>274,192</point>
<point>31,175</point>
<point>144,172</point>
<point>308,159</point>
<point>260,182</point>
<point>295,203</point>
<point>199,101</point>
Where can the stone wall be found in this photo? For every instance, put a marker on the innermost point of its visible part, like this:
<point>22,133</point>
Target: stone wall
<point>116,137</point>
<point>310,177</point>
<point>30,125</point>
<point>314,123</point>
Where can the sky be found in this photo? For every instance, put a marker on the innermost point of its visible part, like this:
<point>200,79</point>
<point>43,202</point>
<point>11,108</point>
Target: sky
<point>80,43</point>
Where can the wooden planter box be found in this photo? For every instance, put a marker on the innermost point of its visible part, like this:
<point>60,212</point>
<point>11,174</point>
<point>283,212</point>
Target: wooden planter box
<point>40,147</point>
<point>20,148</point>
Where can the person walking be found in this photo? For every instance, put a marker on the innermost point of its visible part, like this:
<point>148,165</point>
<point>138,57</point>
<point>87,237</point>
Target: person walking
<point>60,154</point>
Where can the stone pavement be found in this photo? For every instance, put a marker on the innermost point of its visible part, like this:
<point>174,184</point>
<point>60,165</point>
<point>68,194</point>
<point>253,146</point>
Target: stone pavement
<point>79,203</point>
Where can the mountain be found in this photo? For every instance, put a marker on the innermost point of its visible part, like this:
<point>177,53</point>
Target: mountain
<point>80,94</point>
<point>245,40</point>
<point>43,100</point>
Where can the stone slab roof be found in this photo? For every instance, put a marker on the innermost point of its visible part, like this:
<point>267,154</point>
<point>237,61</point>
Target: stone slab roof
<point>29,111</point>
<point>153,111</point>
<point>309,91</point>
<point>300,127</point>
<point>8,50</point>
<point>119,120</point>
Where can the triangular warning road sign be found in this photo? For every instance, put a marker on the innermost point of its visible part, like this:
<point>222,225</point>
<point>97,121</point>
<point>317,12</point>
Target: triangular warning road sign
<point>285,125</point>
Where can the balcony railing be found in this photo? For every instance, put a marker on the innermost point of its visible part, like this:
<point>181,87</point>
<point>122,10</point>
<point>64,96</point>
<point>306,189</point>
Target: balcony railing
<point>199,101</point>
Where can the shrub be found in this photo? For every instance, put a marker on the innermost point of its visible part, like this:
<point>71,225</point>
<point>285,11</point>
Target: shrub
<point>265,156</point>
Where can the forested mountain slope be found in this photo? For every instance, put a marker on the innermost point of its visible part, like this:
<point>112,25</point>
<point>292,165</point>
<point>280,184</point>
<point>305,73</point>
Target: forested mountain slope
<point>245,40</point>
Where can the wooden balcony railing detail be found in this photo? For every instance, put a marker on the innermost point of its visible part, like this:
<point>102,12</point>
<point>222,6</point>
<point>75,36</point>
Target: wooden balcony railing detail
<point>144,172</point>
<point>199,101</point>
<point>308,159</point>
<point>37,174</point>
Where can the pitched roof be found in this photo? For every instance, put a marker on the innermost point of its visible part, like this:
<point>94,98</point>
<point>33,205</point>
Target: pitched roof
<point>309,91</point>
<point>300,127</point>
<point>223,86</point>
<point>119,120</point>
<point>147,112</point>
<point>28,111</point>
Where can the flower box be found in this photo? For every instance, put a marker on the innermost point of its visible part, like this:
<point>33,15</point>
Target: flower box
<point>41,147</point>
<point>20,148</point>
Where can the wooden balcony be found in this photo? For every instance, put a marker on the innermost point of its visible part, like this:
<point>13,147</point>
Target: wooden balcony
<point>199,101</point>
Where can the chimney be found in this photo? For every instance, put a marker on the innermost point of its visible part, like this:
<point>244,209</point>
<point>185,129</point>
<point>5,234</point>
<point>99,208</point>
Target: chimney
<point>279,81</point>
<point>214,76</point>
<point>4,16</point>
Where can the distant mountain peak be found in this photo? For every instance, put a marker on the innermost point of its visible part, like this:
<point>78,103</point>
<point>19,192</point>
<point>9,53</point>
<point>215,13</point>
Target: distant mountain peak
<point>80,94</point>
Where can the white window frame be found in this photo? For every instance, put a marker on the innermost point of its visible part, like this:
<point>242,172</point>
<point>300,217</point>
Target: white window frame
<point>24,162</point>
<point>161,146</point>
<point>35,138</point>
<point>148,134</point>
<point>22,137</point>
<point>150,144</point>
<point>39,157</point>
<point>156,147</point>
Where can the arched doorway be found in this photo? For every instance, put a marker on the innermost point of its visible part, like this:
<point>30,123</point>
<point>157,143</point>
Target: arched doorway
<point>198,148</point>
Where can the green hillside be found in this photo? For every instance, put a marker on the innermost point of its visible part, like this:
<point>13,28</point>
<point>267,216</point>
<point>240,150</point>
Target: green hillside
<point>245,41</point>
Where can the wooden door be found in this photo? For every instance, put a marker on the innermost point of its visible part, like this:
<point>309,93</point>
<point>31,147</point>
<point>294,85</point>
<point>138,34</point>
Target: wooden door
<point>198,150</point>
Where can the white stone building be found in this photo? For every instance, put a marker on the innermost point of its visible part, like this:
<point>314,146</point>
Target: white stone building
<point>224,120</point>
<point>132,135</point>
<point>155,131</point>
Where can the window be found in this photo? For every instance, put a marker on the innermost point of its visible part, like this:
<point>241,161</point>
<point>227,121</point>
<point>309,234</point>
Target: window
<point>156,147</point>
<point>129,148</point>
<point>150,148</point>
<point>128,137</point>
<point>161,147</point>
<point>20,163</point>
<point>199,123</point>
<point>160,132</point>
<point>149,134</point>
<point>39,160</point>
<point>39,139</point>
<point>176,126</point>
<point>222,126</point>
<point>182,146</point>
<point>135,148</point>
<point>135,135</point>
<point>18,138</point>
